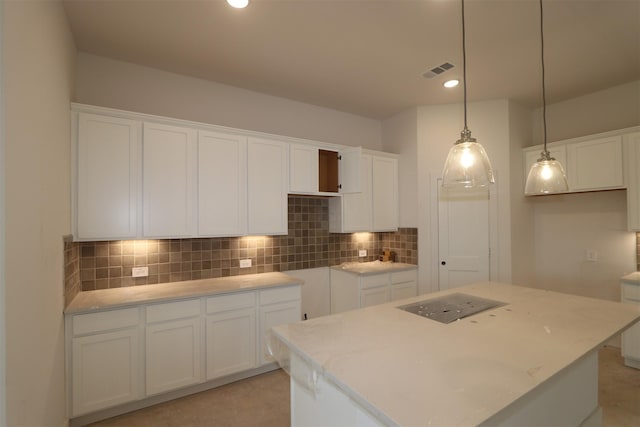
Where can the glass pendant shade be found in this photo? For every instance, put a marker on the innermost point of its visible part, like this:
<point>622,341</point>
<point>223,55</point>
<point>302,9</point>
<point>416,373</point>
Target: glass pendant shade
<point>467,166</point>
<point>546,176</point>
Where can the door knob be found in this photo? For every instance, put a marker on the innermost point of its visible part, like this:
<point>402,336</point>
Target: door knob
<point>444,263</point>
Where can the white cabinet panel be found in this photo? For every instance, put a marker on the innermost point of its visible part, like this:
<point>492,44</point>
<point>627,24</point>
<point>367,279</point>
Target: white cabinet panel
<point>222,184</point>
<point>404,290</point>
<point>595,164</point>
<point>108,174</point>
<point>631,337</point>
<point>385,193</point>
<point>172,355</point>
<point>268,181</point>
<point>104,370</point>
<point>274,315</point>
<point>632,169</point>
<point>231,342</point>
<point>303,169</point>
<point>374,296</point>
<point>349,170</point>
<point>169,176</point>
<point>353,212</point>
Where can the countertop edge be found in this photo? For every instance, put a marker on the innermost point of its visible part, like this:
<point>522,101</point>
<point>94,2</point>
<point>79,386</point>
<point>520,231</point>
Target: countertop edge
<point>109,299</point>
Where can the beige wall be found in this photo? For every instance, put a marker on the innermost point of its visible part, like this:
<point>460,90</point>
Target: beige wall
<point>39,66</point>
<point>566,226</point>
<point>400,136</point>
<point>116,84</point>
<point>614,108</point>
<point>438,128</point>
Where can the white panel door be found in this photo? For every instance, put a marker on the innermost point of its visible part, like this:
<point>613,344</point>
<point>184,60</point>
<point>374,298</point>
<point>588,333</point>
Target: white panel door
<point>595,164</point>
<point>349,170</point>
<point>268,182</point>
<point>107,177</point>
<point>303,169</point>
<point>173,355</point>
<point>463,237</point>
<point>385,193</point>
<point>231,342</point>
<point>104,370</point>
<point>357,212</point>
<point>222,184</point>
<point>274,315</point>
<point>169,177</point>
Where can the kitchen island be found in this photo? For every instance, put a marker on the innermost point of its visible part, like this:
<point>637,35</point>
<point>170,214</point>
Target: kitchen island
<point>529,362</point>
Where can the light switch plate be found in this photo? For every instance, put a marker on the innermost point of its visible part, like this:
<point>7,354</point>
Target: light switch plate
<point>140,271</point>
<point>245,263</point>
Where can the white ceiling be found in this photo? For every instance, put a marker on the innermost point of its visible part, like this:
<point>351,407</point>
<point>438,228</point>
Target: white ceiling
<point>367,56</point>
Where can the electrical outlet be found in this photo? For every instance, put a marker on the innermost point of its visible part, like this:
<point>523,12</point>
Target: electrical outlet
<point>140,271</point>
<point>362,252</point>
<point>245,263</point>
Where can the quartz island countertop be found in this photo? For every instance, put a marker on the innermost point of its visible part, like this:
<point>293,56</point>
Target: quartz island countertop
<point>131,295</point>
<point>373,267</point>
<point>408,370</point>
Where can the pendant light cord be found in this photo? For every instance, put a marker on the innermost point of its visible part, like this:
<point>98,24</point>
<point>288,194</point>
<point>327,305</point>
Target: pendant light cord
<point>464,67</point>
<point>544,96</point>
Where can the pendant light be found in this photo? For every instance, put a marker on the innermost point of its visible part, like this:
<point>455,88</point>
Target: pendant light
<point>546,176</point>
<point>467,164</point>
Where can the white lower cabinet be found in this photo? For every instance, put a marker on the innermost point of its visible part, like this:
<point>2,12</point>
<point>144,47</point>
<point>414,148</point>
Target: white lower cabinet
<point>104,360</point>
<point>124,355</point>
<point>173,346</point>
<point>231,334</point>
<point>350,291</point>
<point>277,307</point>
<point>631,337</point>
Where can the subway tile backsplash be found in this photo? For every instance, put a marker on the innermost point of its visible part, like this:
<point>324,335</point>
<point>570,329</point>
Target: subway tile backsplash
<point>308,245</point>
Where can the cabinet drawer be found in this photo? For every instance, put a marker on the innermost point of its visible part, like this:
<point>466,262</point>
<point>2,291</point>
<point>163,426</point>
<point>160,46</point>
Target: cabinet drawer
<point>231,302</point>
<point>104,321</point>
<point>630,292</point>
<point>173,310</point>
<point>288,293</point>
<point>374,281</point>
<point>403,276</point>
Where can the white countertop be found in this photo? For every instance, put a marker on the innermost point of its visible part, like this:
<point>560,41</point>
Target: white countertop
<point>409,370</point>
<point>373,267</point>
<point>132,295</point>
<point>632,278</point>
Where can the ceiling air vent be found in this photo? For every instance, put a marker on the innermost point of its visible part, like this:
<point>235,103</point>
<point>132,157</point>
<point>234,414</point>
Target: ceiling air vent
<point>436,71</point>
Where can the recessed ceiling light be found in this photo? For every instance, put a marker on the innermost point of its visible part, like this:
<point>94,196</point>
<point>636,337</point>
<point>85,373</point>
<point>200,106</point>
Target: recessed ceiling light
<point>238,4</point>
<point>451,83</point>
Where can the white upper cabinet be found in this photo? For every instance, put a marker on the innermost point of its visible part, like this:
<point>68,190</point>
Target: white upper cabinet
<point>318,171</point>
<point>595,164</point>
<point>385,193</point>
<point>268,181</point>
<point>222,184</point>
<point>303,169</point>
<point>375,208</point>
<point>632,169</point>
<point>107,168</point>
<point>591,163</point>
<point>353,212</point>
<point>169,177</point>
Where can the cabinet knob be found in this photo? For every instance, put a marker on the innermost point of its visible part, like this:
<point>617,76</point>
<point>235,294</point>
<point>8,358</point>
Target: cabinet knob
<point>443,262</point>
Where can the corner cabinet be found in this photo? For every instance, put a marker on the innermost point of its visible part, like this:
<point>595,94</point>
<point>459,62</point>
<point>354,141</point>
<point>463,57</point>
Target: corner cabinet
<point>107,176</point>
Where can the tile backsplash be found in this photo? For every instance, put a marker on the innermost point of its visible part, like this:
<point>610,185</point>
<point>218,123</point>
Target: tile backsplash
<point>108,264</point>
<point>71,269</point>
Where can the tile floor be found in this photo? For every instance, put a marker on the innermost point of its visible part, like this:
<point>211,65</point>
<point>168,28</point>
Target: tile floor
<point>264,401</point>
